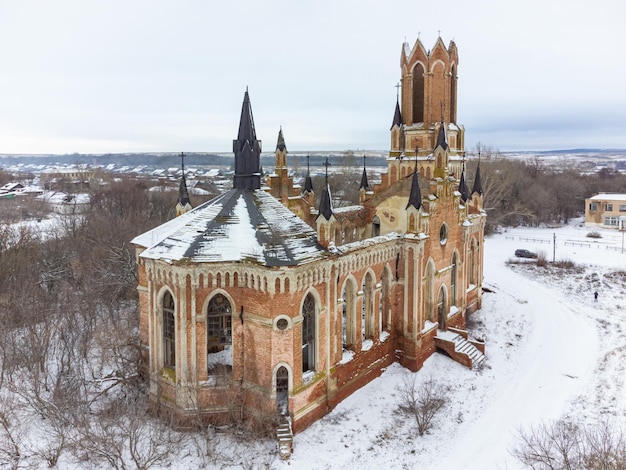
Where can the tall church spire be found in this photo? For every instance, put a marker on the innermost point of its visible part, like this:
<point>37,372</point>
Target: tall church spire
<point>247,150</point>
<point>364,184</point>
<point>184,204</point>
<point>308,182</point>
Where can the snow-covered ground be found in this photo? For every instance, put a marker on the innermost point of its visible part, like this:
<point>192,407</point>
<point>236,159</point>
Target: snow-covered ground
<point>552,351</point>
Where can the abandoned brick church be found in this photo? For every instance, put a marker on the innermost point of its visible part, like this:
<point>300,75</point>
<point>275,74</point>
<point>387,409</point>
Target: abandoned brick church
<point>297,306</point>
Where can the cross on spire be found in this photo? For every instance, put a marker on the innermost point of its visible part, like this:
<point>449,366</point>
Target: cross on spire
<point>439,32</point>
<point>397,86</point>
<point>182,162</point>
<point>416,151</point>
<point>327,164</point>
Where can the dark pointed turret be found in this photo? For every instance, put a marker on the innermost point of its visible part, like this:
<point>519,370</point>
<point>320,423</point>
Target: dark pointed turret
<point>326,206</point>
<point>247,150</point>
<point>308,182</point>
<point>415,197</point>
<point>364,184</point>
<point>280,145</point>
<point>397,116</point>
<point>478,184</point>
<point>463,189</point>
<point>442,139</point>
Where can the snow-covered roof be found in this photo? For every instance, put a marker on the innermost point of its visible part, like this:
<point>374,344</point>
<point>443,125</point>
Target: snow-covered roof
<point>239,225</point>
<point>608,197</point>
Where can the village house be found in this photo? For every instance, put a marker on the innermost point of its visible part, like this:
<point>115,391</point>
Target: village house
<point>606,210</point>
<point>260,300</point>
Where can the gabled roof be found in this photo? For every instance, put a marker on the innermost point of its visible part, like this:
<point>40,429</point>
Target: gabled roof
<point>238,226</point>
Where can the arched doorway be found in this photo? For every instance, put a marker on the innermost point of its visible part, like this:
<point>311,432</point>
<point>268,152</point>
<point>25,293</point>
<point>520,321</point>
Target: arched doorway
<point>282,391</point>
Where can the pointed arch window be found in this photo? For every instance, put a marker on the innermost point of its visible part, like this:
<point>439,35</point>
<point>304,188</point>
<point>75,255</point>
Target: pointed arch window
<point>441,308</point>
<point>348,314</point>
<point>454,280</point>
<point>418,93</point>
<point>169,331</point>
<point>429,293</point>
<point>219,335</point>
<point>385,301</point>
<point>367,309</point>
<point>472,266</point>
<point>282,391</point>
<point>308,334</point>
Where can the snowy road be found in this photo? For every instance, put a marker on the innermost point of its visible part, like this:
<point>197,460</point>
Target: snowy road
<point>553,363</point>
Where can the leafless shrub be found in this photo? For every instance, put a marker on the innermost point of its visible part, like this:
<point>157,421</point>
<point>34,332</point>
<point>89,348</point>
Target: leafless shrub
<point>564,264</point>
<point>11,452</point>
<point>542,259</point>
<point>566,445</point>
<point>594,235</point>
<point>421,401</point>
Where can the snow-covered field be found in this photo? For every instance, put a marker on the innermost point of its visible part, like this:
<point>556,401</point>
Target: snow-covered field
<point>552,351</point>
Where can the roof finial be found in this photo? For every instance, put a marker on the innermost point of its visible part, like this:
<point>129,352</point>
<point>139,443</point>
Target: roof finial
<point>182,162</point>
<point>439,32</point>
<point>327,164</point>
<point>397,86</point>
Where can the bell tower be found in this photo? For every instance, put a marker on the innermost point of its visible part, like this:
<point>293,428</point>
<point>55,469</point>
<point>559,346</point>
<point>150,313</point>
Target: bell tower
<point>429,98</point>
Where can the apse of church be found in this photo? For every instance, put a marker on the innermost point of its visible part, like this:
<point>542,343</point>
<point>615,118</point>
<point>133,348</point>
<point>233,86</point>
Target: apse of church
<point>260,300</point>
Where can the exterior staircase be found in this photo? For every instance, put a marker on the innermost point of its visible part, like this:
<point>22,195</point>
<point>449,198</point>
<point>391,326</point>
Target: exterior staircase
<point>284,434</point>
<point>457,345</point>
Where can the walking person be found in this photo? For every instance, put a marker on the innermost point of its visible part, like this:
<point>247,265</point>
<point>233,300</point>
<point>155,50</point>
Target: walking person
<point>595,296</point>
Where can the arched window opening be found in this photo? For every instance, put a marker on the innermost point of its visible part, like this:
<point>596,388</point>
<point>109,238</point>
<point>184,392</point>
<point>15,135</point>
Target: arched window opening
<point>472,267</point>
<point>169,332</point>
<point>429,293</point>
<point>282,391</point>
<point>348,314</point>
<point>454,280</point>
<point>219,336</point>
<point>367,309</point>
<point>453,80</point>
<point>308,334</point>
<point>441,308</point>
<point>418,94</point>
<point>375,226</point>
<point>385,302</point>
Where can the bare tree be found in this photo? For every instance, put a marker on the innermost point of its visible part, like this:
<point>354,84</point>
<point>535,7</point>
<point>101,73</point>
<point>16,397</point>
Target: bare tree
<point>567,445</point>
<point>422,401</point>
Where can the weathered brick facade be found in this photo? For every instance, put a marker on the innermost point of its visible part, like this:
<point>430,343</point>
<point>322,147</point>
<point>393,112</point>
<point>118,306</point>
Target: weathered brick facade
<point>301,336</point>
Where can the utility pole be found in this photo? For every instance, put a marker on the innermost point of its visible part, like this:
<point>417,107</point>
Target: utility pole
<point>554,248</point>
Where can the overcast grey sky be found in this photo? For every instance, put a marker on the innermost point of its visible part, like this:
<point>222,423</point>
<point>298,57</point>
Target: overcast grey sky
<point>152,75</point>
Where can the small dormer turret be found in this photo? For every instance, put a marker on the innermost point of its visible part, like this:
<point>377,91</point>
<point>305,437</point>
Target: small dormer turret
<point>413,207</point>
<point>325,220</point>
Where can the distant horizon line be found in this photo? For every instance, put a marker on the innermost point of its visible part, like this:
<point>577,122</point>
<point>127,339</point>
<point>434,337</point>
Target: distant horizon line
<point>312,152</point>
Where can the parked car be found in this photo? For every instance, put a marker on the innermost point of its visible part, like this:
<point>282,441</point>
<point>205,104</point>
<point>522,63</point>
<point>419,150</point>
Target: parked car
<point>521,253</point>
